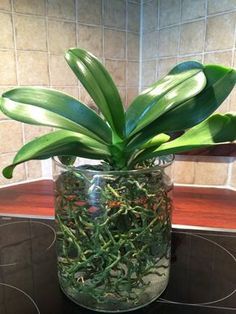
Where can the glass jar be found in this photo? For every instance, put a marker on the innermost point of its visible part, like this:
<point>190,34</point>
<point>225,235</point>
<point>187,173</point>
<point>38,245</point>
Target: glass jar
<point>113,235</point>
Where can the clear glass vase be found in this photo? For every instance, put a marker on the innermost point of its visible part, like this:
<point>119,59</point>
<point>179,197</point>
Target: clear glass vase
<point>113,235</point>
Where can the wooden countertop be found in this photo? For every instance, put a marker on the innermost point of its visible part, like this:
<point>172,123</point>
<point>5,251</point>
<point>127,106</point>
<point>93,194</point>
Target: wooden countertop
<point>205,207</point>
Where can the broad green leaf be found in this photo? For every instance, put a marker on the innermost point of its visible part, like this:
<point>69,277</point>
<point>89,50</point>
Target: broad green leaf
<point>59,143</point>
<point>216,129</point>
<point>182,82</point>
<point>99,84</point>
<point>156,141</point>
<point>48,107</point>
<point>220,82</point>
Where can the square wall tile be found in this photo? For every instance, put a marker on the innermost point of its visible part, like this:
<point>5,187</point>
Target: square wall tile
<point>33,68</point>
<point>211,171</point>
<point>33,131</point>
<point>90,38</point>
<point>183,171</point>
<point>6,38</point>
<point>115,13</point>
<point>132,46</point>
<point>168,41</point>
<point>196,57</point>
<point>192,37</point>
<point>19,172</point>
<point>192,9</point>
<point>2,90</point>
<point>220,32</point>
<point>132,73</point>
<point>5,5</point>
<point>114,44</point>
<point>169,12</point>
<point>31,33</point>
<point>11,136</point>
<point>223,58</point>
<point>7,68</point>
<point>117,70</point>
<point>150,16</point>
<point>60,72</point>
<point>34,169</point>
<point>29,7</point>
<point>61,36</point>
<point>233,175</point>
<point>69,90</point>
<point>165,65</point>
<point>150,45</point>
<point>216,6</point>
<point>61,9</point>
<point>133,17</point>
<point>89,11</point>
<point>148,72</point>
<point>132,93</point>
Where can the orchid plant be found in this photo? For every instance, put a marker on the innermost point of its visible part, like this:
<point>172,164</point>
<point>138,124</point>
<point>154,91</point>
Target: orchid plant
<point>183,100</point>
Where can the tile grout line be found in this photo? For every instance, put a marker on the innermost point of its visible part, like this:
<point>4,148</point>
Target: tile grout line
<point>193,54</point>
<point>205,31</point>
<point>25,166</point>
<point>179,34</point>
<point>140,46</point>
<point>126,53</point>
<point>46,165</point>
<point>230,167</point>
<point>158,37</point>
<point>77,41</point>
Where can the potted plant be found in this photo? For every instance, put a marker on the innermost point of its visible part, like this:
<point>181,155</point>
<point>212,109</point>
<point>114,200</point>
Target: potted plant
<point>114,217</point>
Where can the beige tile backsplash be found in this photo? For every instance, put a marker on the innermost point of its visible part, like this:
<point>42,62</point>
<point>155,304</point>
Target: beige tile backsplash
<point>30,33</point>
<point>118,70</point>
<point>61,35</point>
<point>86,11</point>
<point>220,32</point>
<point>168,41</point>
<point>192,37</point>
<point>8,67</point>
<point>29,7</point>
<point>61,9</point>
<point>192,9</point>
<point>91,39</point>
<point>181,30</point>
<point>115,13</point>
<point>6,38</point>
<point>114,44</point>
<point>5,5</point>
<point>216,6</point>
<point>35,34</point>
<point>32,68</point>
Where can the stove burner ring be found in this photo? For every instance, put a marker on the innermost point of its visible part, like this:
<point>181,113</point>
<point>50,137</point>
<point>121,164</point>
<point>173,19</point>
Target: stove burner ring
<point>33,222</point>
<point>24,293</point>
<point>210,302</point>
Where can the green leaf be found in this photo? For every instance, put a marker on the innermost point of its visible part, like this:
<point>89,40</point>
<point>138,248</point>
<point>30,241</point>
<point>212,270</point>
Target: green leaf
<point>156,141</point>
<point>99,84</point>
<point>48,107</point>
<point>216,129</point>
<point>220,82</point>
<point>59,143</point>
<point>182,82</point>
